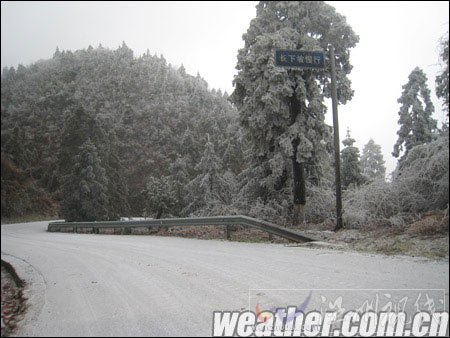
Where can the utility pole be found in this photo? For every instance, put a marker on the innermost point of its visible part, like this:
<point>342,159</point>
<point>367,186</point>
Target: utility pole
<point>337,153</point>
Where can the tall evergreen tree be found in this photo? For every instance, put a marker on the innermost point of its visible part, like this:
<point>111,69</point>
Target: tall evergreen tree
<point>351,166</point>
<point>208,188</point>
<point>372,162</point>
<point>85,187</point>
<point>442,79</point>
<point>282,110</point>
<point>83,128</point>
<point>416,124</point>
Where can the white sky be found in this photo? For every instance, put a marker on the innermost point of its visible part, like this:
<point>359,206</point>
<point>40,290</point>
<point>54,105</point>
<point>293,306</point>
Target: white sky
<point>395,37</point>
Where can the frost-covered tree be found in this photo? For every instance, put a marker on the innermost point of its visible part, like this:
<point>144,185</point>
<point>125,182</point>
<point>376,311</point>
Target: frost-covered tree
<point>372,162</point>
<point>209,187</point>
<point>442,79</point>
<point>282,110</point>
<point>160,196</point>
<point>81,128</point>
<point>416,123</point>
<point>351,172</point>
<point>85,187</point>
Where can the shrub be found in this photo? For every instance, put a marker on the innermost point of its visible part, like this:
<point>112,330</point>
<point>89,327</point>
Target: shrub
<point>374,203</point>
<point>422,180</point>
<point>320,204</point>
<point>420,184</point>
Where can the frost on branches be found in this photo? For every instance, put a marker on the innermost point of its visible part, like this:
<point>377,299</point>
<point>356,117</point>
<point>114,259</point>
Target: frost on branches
<point>372,162</point>
<point>351,167</point>
<point>282,110</point>
<point>416,124</point>
<point>442,89</point>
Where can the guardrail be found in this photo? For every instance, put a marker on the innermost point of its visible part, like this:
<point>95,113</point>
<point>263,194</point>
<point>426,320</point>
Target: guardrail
<point>227,221</point>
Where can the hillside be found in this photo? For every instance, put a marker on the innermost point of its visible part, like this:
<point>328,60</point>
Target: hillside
<point>156,119</point>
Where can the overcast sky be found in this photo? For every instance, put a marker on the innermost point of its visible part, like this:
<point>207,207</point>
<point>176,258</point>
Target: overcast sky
<point>395,37</point>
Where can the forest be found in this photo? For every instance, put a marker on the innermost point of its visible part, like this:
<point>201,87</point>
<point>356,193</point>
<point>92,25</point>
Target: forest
<point>99,134</point>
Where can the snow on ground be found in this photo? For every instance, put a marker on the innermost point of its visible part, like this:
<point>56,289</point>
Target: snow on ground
<point>104,285</point>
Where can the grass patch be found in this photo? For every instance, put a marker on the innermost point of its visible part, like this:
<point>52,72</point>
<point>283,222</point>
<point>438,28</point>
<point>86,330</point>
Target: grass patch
<point>397,247</point>
<point>432,249</point>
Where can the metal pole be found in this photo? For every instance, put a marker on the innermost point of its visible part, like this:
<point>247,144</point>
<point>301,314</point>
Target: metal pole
<point>337,154</point>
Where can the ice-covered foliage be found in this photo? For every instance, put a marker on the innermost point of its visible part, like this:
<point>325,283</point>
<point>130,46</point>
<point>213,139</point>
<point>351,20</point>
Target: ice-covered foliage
<point>351,172</point>
<point>151,120</point>
<point>277,207</point>
<point>416,124</point>
<point>419,185</point>
<point>82,128</point>
<point>160,197</point>
<point>263,92</point>
<point>373,203</point>
<point>422,180</point>
<point>269,211</point>
<point>442,88</point>
<point>213,187</point>
<point>321,203</point>
<point>85,187</point>
<point>372,162</point>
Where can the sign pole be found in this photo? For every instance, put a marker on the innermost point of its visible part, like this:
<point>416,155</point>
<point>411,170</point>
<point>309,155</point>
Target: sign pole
<point>337,154</point>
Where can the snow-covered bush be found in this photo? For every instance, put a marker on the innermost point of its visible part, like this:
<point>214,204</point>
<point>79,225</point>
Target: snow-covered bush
<point>420,184</point>
<point>320,204</point>
<point>422,179</point>
<point>272,211</point>
<point>376,202</point>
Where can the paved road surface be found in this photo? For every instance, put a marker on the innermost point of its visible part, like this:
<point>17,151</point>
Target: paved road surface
<point>111,285</point>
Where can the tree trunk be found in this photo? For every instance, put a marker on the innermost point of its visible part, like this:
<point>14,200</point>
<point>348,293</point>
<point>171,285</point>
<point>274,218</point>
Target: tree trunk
<point>281,182</point>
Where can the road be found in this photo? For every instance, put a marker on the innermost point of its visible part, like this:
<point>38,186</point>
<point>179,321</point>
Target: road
<point>113,285</point>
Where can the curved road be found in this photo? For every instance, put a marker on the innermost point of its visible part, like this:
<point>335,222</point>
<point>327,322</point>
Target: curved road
<point>112,285</point>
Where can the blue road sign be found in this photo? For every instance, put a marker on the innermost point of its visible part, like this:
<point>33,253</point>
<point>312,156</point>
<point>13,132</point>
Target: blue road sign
<point>299,59</point>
